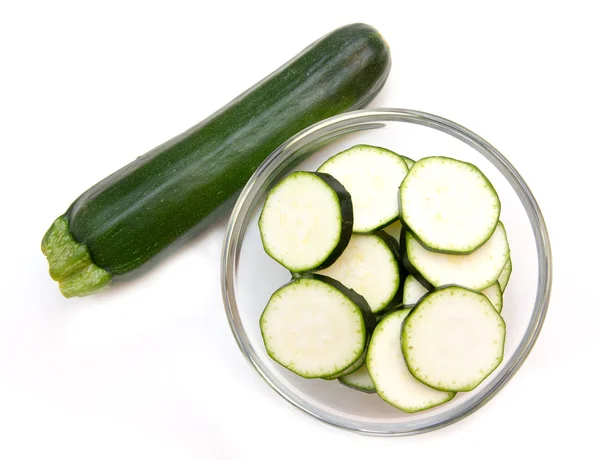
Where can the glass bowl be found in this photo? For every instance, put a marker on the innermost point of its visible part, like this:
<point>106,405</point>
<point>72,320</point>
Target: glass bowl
<point>249,276</point>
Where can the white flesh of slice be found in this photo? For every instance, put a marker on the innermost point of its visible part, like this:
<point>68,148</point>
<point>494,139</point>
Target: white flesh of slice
<point>359,379</point>
<point>449,205</point>
<point>453,339</point>
<point>301,222</point>
<point>476,271</point>
<point>413,291</point>
<point>372,176</point>
<point>393,381</point>
<point>312,329</point>
<point>494,294</point>
<point>368,266</point>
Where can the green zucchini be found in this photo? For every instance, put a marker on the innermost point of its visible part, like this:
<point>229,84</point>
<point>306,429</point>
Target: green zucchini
<point>185,184</point>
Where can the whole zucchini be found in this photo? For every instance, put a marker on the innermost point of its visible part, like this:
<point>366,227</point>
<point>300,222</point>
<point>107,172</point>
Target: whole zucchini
<point>183,185</point>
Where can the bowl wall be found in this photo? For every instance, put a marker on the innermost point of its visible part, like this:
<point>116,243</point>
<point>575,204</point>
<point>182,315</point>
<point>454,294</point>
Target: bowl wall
<point>249,276</point>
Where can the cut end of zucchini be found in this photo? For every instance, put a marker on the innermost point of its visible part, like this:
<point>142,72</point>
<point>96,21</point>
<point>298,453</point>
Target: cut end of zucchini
<point>70,262</point>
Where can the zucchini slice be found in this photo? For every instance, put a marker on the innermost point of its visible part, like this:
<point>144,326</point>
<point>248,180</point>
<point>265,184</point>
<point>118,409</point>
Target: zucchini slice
<point>477,270</point>
<point>505,275</point>
<point>453,339</point>
<point>370,265</point>
<point>359,380</point>
<point>494,294</point>
<point>413,292</point>
<point>449,205</point>
<point>391,377</point>
<point>313,328</point>
<point>372,176</point>
<point>306,221</point>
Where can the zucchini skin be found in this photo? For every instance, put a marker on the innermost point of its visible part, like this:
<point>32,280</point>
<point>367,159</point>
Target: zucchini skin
<point>182,186</point>
<point>395,247</point>
<point>347,213</point>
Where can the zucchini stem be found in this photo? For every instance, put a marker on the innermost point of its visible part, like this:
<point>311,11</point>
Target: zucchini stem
<point>70,262</point>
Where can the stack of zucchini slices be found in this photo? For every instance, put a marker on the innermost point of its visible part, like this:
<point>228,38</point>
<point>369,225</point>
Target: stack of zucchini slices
<point>398,272</point>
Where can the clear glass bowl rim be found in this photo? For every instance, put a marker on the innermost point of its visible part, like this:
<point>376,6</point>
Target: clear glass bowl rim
<point>240,217</point>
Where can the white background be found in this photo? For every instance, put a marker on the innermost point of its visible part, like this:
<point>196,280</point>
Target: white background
<point>149,369</point>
